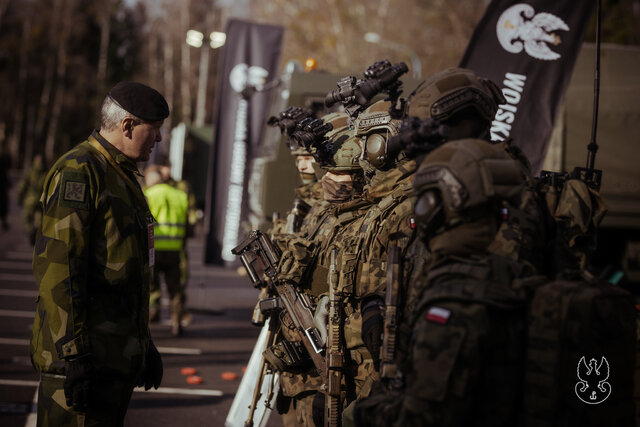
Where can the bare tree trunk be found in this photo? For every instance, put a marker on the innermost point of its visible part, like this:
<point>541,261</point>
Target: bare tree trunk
<point>59,89</point>
<point>49,72</point>
<point>185,74</point>
<point>203,73</point>
<point>168,70</point>
<point>104,9</point>
<point>3,7</point>
<point>153,58</point>
<point>18,120</point>
<point>338,31</point>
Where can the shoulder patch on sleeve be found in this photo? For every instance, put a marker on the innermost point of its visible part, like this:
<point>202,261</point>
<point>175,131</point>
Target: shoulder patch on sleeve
<point>74,187</point>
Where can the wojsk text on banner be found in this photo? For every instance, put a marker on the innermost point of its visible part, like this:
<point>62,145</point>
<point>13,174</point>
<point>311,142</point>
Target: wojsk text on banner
<point>249,65</point>
<point>529,49</point>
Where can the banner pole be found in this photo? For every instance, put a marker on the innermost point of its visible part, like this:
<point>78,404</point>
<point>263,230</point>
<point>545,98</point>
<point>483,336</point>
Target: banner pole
<point>593,145</point>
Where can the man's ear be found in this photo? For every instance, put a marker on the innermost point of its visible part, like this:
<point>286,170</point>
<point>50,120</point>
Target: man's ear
<point>126,126</point>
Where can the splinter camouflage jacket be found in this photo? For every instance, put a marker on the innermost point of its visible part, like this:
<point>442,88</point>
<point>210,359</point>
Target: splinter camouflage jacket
<point>92,263</point>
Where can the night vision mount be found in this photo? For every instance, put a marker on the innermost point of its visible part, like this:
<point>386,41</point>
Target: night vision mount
<point>356,94</point>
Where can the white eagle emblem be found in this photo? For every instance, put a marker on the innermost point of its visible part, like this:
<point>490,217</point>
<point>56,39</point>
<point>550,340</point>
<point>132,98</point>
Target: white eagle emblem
<point>593,387</point>
<point>520,28</point>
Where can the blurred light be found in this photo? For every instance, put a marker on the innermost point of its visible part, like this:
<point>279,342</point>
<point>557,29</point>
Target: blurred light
<point>217,39</point>
<point>292,66</point>
<point>372,37</point>
<point>310,64</point>
<point>194,38</point>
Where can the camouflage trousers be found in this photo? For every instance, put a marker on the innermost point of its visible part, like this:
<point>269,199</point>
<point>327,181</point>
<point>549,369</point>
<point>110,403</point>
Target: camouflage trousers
<point>300,390</point>
<point>170,265</point>
<point>300,411</point>
<point>109,401</point>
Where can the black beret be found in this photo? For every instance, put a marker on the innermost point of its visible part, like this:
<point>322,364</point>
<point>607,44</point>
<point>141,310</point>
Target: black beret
<point>140,100</point>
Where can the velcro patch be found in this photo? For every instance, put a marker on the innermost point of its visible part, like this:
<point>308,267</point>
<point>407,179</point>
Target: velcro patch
<point>438,315</point>
<point>73,190</point>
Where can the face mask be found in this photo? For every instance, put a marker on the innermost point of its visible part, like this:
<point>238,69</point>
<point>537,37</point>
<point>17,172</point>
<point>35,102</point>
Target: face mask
<point>307,178</point>
<point>335,191</point>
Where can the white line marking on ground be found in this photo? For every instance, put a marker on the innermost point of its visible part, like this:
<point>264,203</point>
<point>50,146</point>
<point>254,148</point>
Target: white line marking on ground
<point>163,390</point>
<point>13,341</point>
<point>22,255</point>
<point>190,392</point>
<point>162,350</point>
<point>32,418</point>
<point>18,293</point>
<point>17,313</point>
<point>179,350</point>
<point>17,277</point>
<point>19,383</point>
<point>16,265</point>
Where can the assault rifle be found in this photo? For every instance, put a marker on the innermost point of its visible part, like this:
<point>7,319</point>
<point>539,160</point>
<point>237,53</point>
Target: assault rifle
<point>417,137</point>
<point>388,369</point>
<point>355,94</point>
<point>260,258</point>
<point>335,355</point>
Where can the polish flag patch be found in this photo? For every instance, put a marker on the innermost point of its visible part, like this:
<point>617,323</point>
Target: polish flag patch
<point>438,315</point>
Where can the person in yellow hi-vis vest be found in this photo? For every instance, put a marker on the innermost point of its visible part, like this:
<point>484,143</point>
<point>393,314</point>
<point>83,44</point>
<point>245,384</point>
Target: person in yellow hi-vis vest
<point>169,207</point>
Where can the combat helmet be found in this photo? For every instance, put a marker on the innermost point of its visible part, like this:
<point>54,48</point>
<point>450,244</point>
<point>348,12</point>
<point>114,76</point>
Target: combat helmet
<point>374,127</point>
<point>339,152</point>
<point>464,187</point>
<point>448,94</point>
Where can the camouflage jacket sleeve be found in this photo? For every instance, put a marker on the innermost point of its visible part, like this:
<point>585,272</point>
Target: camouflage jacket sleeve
<point>61,256</point>
<point>395,228</point>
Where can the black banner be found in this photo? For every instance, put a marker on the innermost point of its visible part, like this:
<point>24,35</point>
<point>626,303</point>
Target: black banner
<point>529,49</point>
<point>249,63</point>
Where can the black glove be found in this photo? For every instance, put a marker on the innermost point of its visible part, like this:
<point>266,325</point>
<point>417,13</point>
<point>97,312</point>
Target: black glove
<point>372,325</point>
<point>77,383</point>
<point>152,375</point>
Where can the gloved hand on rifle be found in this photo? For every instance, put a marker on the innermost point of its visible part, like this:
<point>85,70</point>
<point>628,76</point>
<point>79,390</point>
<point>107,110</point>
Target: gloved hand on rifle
<point>372,326</point>
<point>152,375</point>
<point>77,384</point>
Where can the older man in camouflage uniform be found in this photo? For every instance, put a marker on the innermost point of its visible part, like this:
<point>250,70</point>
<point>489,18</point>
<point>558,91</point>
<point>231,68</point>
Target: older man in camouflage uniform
<point>93,262</point>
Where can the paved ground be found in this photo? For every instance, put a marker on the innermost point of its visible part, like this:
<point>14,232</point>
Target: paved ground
<point>219,340</point>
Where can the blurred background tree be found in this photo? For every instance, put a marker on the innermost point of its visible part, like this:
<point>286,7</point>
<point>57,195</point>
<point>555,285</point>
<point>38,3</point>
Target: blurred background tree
<point>58,57</point>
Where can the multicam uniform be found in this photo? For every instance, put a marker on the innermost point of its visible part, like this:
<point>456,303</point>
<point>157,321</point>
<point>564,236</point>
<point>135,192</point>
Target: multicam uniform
<point>92,263</point>
<point>461,329</point>
<point>464,332</point>
<point>306,261</point>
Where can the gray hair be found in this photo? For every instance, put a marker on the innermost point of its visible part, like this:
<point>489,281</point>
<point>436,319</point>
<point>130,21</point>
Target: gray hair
<point>111,114</point>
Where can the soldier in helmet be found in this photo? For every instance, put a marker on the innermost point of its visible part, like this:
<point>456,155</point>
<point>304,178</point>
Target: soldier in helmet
<point>93,261</point>
<point>461,331</point>
<point>389,222</point>
<point>306,262</point>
